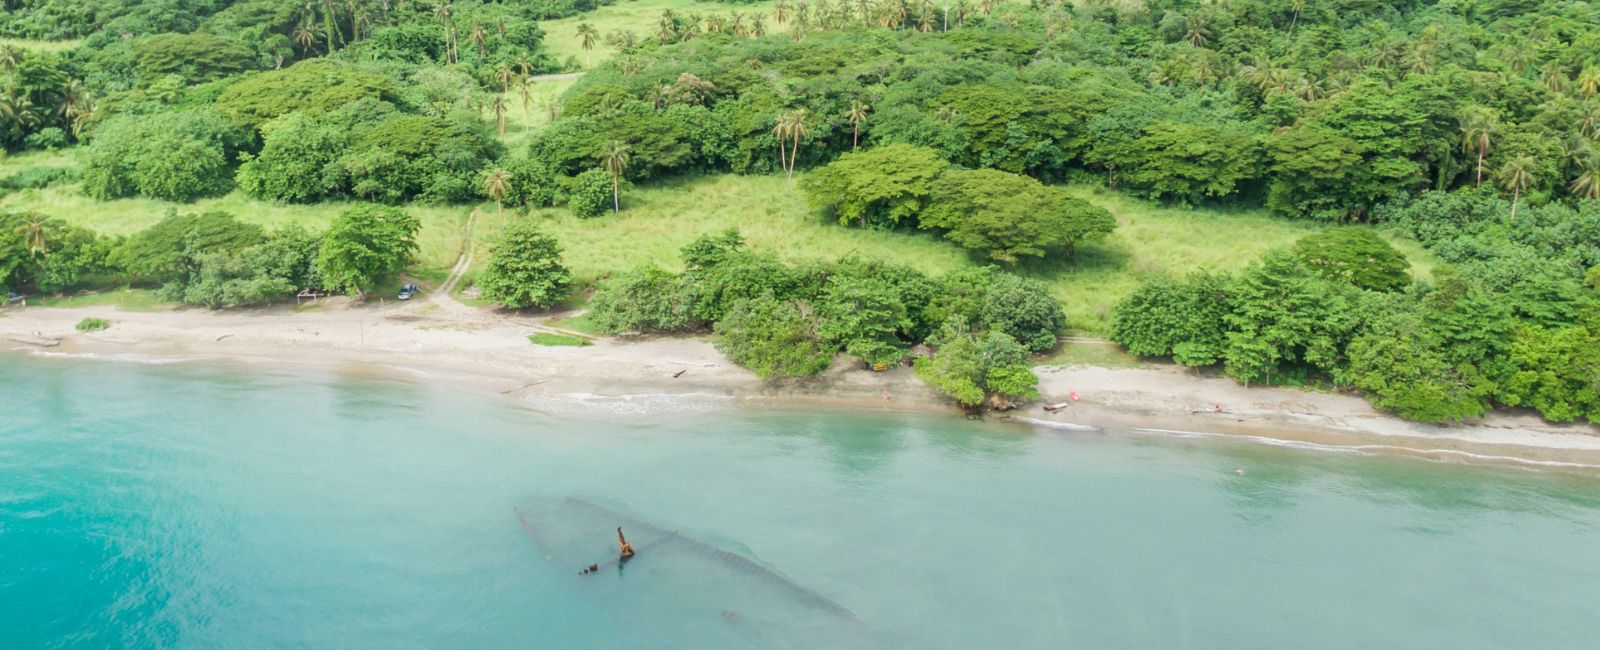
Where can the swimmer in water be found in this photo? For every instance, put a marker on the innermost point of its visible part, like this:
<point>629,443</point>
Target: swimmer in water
<point>589,569</point>
<point>622,542</point>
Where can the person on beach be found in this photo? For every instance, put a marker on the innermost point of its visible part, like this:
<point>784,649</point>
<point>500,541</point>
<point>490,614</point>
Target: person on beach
<point>627,549</point>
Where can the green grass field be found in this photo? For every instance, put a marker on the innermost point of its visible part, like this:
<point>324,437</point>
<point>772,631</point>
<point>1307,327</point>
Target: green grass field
<point>524,119</point>
<point>439,240</point>
<point>638,16</point>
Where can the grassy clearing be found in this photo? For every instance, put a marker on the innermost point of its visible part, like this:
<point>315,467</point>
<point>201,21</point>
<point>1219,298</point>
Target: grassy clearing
<point>557,340</point>
<point>659,219</point>
<point>40,46</point>
<point>125,299</point>
<point>526,118</point>
<point>439,240</point>
<point>638,16</point>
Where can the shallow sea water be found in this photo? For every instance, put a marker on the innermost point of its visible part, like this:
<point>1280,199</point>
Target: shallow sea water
<point>209,506</point>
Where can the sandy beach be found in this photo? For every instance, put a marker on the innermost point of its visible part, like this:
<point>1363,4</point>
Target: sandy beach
<point>439,339</point>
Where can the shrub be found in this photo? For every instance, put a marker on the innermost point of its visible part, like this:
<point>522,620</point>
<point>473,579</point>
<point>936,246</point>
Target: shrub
<point>168,250</point>
<point>646,299</point>
<point>525,269</point>
<point>265,272</point>
<point>978,370</point>
<point>49,138</point>
<point>773,338</point>
<point>589,193</point>
<point>318,84</point>
<point>864,317</point>
<point>33,178</point>
<point>92,324</point>
<point>1184,320</point>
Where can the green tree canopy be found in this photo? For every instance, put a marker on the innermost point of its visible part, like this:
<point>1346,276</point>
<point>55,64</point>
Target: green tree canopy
<point>525,269</point>
<point>1355,255</point>
<point>366,245</point>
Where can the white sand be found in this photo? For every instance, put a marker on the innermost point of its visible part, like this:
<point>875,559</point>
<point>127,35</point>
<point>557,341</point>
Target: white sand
<point>443,340</point>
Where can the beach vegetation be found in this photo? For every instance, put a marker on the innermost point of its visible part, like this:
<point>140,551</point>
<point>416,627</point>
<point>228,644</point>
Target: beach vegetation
<point>774,338</point>
<point>92,324</point>
<point>364,246</point>
<point>552,339</point>
<point>525,269</point>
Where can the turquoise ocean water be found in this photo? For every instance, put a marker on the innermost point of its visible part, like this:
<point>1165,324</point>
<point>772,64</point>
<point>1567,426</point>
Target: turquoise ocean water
<point>212,506</point>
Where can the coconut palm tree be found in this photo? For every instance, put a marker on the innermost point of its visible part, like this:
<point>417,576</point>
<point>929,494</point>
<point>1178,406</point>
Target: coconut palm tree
<point>499,106</point>
<point>780,11</point>
<point>1297,6</point>
<point>780,132</point>
<point>758,25</point>
<point>1587,184</point>
<point>857,115</point>
<point>1516,176</point>
<point>1589,120</point>
<point>1589,81</point>
<point>496,185</point>
<point>480,39</point>
<point>586,36</point>
<point>32,231</point>
<point>504,75</point>
<point>526,93</point>
<point>9,58</point>
<point>442,12</point>
<point>797,131</point>
<point>615,161</point>
<point>1478,128</point>
<point>305,35</point>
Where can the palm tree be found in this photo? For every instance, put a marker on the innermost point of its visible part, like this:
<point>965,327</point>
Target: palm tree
<point>1478,127</point>
<point>527,98</point>
<point>1589,81</point>
<point>9,58</point>
<point>499,105</point>
<point>32,230</point>
<point>496,185</point>
<point>797,130</point>
<point>666,27</point>
<point>780,11</point>
<point>857,115</point>
<point>780,132</point>
<point>442,12</point>
<point>1587,184</point>
<point>504,75</point>
<point>1516,176</point>
<point>586,36</point>
<point>480,39</point>
<point>758,25</point>
<point>305,35</point>
<point>1298,6</point>
<point>1589,120</point>
<point>615,161</point>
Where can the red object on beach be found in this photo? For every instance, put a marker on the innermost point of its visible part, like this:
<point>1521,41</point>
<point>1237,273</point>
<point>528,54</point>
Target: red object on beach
<point>1073,395</point>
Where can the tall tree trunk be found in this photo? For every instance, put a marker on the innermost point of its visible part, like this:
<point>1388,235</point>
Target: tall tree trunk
<point>855,138</point>
<point>1515,196</point>
<point>1480,168</point>
<point>616,193</point>
<point>794,155</point>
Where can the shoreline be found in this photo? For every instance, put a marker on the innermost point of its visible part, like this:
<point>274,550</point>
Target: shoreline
<point>441,340</point>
